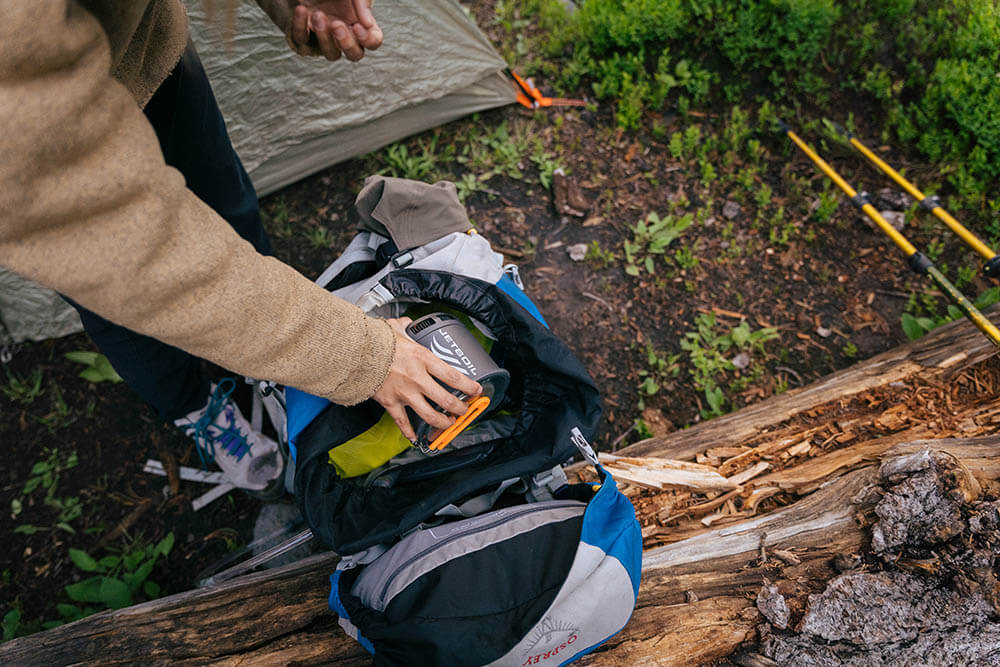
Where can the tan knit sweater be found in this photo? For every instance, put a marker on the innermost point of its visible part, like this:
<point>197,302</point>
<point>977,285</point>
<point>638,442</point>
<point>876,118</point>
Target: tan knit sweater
<point>88,207</point>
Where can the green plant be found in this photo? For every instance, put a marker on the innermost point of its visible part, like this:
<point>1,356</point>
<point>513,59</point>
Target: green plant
<point>61,415</point>
<point>546,163</point>
<point>850,350</point>
<point>686,258</point>
<point>598,257</point>
<point>641,429</point>
<point>117,578</point>
<point>23,390</point>
<point>45,475</point>
<point>708,353</point>
<point>660,372</point>
<point>915,327</point>
<point>320,237</point>
<point>276,217</point>
<point>98,368</point>
<point>468,184</point>
<point>652,236</point>
<point>417,167</point>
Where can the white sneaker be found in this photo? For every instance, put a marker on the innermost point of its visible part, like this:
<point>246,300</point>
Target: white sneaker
<point>249,460</point>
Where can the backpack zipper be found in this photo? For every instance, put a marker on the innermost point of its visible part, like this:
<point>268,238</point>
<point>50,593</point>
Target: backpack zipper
<point>452,538</point>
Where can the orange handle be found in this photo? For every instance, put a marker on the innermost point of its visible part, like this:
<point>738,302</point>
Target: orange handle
<point>476,408</point>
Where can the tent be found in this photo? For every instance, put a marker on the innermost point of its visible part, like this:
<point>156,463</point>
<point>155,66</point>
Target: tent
<point>290,116</point>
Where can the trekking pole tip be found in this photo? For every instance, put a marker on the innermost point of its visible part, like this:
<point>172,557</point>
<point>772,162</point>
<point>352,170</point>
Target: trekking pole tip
<point>784,127</point>
<point>992,267</point>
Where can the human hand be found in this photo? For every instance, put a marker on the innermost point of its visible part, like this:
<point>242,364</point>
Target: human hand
<point>411,383</point>
<point>334,27</point>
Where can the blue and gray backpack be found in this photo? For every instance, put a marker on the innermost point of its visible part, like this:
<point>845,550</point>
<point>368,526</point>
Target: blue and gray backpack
<point>482,553</point>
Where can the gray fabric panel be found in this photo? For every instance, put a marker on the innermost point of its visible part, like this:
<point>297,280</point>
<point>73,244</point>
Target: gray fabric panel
<point>274,100</point>
<point>463,254</point>
<point>403,564</point>
<point>594,603</point>
<point>322,150</point>
<point>360,249</point>
<point>29,311</point>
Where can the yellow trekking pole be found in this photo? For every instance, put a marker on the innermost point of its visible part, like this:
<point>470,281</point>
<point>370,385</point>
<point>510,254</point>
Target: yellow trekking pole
<point>932,204</point>
<point>918,261</point>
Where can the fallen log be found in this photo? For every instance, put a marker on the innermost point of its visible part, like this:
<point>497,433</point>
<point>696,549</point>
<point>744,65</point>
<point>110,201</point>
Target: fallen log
<point>937,357</point>
<point>696,602</point>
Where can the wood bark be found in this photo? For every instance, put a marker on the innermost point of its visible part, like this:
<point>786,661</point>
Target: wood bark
<point>939,355</point>
<point>696,601</point>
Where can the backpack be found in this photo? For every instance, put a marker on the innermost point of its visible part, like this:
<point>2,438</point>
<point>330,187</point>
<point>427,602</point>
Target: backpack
<point>482,552</point>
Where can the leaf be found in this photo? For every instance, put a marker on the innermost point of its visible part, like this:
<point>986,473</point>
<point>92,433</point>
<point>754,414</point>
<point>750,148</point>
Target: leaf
<point>11,622</point>
<point>631,269</point>
<point>133,559</point>
<point>151,589</point>
<point>62,525</point>
<point>912,330</point>
<point>649,265</point>
<point>41,468</point>
<point>91,375</point>
<point>110,591</point>
<point>110,562</point>
<point>27,529</point>
<point>85,561</point>
<point>954,312</point>
<point>82,357</point>
<point>15,507</point>
<point>106,370</point>
<point>165,545</point>
<point>70,612</point>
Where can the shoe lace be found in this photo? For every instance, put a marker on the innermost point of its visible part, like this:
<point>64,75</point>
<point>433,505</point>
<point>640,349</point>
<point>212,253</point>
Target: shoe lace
<point>205,431</point>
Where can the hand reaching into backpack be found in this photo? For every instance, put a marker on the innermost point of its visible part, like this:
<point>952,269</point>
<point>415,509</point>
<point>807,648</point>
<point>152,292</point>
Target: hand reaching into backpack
<point>332,28</point>
<point>411,383</point>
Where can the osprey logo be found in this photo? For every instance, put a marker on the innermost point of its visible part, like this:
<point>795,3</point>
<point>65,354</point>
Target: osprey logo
<point>550,639</point>
<point>450,353</point>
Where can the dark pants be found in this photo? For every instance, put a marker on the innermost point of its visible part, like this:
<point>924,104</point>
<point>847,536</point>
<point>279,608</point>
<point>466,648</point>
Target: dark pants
<point>193,138</point>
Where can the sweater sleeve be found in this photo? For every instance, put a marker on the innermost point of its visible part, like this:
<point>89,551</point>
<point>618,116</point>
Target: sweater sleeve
<point>89,208</point>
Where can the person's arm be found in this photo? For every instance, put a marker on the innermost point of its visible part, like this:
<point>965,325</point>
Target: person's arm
<point>328,28</point>
<point>89,208</point>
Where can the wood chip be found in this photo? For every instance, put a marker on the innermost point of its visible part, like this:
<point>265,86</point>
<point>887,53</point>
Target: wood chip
<point>704,459</point>
<point>801,448</point>
<point>750,473</point>
<point>758,495</point>
<point>726,452</point>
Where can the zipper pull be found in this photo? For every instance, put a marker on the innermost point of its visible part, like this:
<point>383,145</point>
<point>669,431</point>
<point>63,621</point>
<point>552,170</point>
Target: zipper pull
<point>581,443</point>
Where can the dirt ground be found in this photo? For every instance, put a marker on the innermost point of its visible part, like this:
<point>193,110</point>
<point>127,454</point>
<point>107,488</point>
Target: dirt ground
<point>833,290</point>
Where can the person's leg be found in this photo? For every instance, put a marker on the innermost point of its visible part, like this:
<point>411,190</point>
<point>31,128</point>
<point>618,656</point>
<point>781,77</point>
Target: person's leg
<point>193,138</point>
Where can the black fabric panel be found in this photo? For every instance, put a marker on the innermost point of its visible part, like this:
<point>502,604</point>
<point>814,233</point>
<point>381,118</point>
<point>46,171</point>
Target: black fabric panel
<point>473,609</point>
<point>351,274</point>
<point>550,392</point>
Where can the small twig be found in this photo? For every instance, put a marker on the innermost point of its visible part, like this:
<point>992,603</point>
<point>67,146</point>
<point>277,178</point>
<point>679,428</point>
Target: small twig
<point>127,522</point>
<point>618,440</point>
<point>598,299</point>
<point>786,369</point>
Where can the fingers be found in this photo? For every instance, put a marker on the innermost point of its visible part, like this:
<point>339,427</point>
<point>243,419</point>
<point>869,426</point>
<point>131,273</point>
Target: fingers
<point>320,27</point>
<point>398,415</point>
<point>369,38</point>
<point>363,10</point>
<point>300,26</point>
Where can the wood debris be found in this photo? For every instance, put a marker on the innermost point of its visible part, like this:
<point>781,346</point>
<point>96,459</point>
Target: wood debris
<point>677,499</point>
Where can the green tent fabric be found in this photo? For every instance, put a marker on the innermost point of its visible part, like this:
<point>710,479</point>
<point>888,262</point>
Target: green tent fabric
<point>290,116</point>
<point>29,311</point>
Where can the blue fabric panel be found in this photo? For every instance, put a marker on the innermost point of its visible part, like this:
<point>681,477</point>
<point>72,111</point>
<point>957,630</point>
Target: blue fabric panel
<point>610,525</point>
<point>510,288</point>
<point>338,608</point>
<point>301,408</point>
